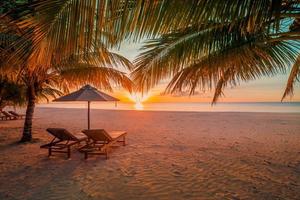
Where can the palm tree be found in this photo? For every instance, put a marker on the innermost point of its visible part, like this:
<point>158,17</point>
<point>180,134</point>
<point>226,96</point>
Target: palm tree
<point>56,78</point>
<point>48,80</point>
<point>48,54</point>
<point>212,44</point>
<point>45,82</point>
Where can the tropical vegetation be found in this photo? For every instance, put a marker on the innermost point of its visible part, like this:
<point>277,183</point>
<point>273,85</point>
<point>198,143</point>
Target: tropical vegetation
<point>203,45</point>
<point>47,71</point>
<point>196,44</point>
<point>11,93</point>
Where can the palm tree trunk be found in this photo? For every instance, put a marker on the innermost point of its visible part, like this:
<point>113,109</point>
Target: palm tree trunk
<point>27,130</point>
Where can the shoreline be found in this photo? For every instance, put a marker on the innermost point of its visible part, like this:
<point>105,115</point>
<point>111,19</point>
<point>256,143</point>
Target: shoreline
<point>174,111</point>
<point>160,108</point>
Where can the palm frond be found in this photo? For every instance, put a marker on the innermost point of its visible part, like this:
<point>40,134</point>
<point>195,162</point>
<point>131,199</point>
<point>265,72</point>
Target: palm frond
<point>48,91</point>
<point>73,25</point>
<point>11,92</point>
<point>230,66</point>
<point>221,84</point>
<point>67,26</point>
<point>102,77</point>
<point>293,77</point>
<point>152,18</point>
<point>98,57</point>
<point>171,52</point>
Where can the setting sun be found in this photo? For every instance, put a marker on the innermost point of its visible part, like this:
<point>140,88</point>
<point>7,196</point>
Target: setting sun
<point>138,106</point>
<point>138,99</point>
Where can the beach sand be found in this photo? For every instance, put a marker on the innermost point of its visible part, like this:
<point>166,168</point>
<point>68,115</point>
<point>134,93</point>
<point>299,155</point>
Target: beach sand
<point>170,155</point>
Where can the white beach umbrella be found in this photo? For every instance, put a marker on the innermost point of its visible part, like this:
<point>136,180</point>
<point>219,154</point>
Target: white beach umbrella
<point>87,93</point>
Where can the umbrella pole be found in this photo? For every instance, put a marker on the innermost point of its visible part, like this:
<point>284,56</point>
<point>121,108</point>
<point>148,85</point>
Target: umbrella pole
<point>89,115</point>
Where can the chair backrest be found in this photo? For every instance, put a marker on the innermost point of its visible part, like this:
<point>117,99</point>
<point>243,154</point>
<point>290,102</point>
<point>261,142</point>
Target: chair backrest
<point>6,114</point>
<point>14,113</point>
<point>61,133</point>
<point>98,135</point>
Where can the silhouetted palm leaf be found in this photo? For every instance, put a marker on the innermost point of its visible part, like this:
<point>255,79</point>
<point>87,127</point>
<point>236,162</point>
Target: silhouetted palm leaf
<point>294,76</point>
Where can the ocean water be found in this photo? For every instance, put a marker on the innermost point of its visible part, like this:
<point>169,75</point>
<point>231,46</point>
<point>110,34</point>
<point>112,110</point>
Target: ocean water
<point>277,107</point>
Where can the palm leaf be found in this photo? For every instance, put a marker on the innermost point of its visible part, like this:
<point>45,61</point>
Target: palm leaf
<point>67,26</point>
<point>294,76</point>
<point>173,51</point>
<point>152,18</point>
<point>102,77</point>
<point>233,65</point>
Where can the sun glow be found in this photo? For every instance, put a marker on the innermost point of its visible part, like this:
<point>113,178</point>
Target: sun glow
<point>138,99</point>
<point>138,106</point>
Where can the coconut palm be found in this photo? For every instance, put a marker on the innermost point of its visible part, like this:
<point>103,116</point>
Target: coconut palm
<point>55,79</point>
<point>212,44</point>
<point>42,80</point>
<point>50,81</point>
<point>45,82</point>
<point>37,51</point>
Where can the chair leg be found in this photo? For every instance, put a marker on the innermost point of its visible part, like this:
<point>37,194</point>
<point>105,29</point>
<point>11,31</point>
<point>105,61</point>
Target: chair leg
<point>69,152</point>
<point>106,154</point>
<point>49,152</point>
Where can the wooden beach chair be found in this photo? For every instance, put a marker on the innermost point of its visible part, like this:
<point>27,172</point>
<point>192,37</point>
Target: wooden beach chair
<point>63,141</point>
<point>8,116</point>
<point>19,116</point>
<point>100,141</point>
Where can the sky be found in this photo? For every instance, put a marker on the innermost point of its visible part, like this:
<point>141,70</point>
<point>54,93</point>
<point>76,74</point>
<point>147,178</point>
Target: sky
<point>265,89</point>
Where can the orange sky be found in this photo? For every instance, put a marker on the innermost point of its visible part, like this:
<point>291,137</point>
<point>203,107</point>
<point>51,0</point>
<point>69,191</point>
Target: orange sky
<point>263,90</point>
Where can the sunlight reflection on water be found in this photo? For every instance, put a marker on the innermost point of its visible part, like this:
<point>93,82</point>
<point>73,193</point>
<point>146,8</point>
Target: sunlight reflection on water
<point>138,106</point>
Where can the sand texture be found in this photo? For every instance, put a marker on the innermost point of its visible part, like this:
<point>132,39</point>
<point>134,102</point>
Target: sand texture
<point>170,155</point>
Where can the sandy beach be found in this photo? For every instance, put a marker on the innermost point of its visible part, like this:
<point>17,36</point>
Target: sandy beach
<point>170,155</point>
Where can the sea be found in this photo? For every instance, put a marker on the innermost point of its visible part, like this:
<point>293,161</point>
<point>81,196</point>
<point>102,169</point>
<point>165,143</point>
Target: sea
<point>269,107</point>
